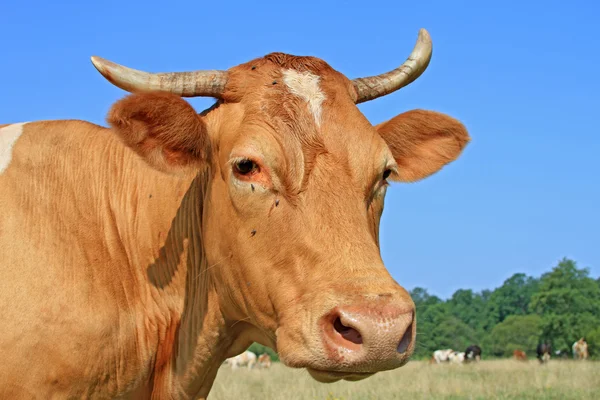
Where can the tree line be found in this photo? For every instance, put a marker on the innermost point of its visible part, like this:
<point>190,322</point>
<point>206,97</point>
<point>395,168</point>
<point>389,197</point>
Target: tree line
<point>559,307</point>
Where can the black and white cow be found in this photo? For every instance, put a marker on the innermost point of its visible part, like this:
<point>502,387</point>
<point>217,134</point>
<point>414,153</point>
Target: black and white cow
<point>544,351</point>
<point>473,353</point>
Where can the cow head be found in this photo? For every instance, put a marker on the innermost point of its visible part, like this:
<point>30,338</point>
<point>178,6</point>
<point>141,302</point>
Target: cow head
<point>297,189</point>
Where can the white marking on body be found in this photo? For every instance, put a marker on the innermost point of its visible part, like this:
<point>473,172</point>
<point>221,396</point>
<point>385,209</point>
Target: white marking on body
<point>8,136</point>
<point>306,86</point>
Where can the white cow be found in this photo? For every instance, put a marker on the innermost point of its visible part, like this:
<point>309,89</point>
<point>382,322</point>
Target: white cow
<point>457,357</point>
<point>440,356</point>
<point>247,358</point>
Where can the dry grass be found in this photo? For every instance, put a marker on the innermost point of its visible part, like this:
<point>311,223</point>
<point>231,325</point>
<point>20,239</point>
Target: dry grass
<point>497,379</point>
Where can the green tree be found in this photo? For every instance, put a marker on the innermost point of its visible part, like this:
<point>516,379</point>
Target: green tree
<point>515,332</point>
<point>485,295</point>
<point>470,308</point>
<point>568,301</point>
<point>423,299</point>
<point>259,349</point>
<point>437,328</point>
<point>593,340</point>
<point>561,306</point>
<point>512,298</point>
<point>453,333</point>
<point>431,311</point>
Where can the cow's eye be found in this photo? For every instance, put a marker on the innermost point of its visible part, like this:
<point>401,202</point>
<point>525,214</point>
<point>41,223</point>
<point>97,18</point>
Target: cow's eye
<point>386,174</point>
<point>246,167</point>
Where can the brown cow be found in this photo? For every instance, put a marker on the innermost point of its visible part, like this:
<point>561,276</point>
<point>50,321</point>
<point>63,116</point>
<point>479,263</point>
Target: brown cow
<point>137,258</point>
<point>519,355</point>
<point>580,350</point>
<point>264,361</point>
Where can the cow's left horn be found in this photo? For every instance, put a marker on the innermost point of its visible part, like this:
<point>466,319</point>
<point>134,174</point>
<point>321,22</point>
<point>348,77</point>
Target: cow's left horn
<point>373,87</point>
<point>186,84</point>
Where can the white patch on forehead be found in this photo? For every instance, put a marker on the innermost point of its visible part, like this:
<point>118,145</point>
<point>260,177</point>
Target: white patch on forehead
<point>306,86</point>
<point>8,136</point>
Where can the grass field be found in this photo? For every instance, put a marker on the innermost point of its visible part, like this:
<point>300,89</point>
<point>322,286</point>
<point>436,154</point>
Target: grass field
<point>496,379</point>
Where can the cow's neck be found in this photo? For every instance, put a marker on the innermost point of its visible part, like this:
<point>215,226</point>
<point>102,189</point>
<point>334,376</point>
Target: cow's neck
<point>191,343</point>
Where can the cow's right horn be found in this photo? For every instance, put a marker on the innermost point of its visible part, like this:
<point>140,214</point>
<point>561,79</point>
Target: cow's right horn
<point>210,83</point>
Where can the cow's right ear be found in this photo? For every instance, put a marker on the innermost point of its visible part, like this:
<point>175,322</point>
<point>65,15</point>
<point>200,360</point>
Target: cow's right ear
<point>163,129</point>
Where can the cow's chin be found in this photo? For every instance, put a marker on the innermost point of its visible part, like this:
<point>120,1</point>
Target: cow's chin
<point>298,349</point>
<point>324,372</point>
<point>334,376</point>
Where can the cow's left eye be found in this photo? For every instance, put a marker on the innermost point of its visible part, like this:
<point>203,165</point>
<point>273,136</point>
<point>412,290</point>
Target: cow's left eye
<point>386,174</point>
<point>246,167</point>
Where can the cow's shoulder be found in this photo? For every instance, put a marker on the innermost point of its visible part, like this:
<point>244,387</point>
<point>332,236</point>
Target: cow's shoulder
<point>32,143</point>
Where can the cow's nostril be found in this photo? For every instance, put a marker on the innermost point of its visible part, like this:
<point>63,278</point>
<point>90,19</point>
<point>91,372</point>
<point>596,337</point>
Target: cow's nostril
<point>405,341</point>
<point>347,332</point>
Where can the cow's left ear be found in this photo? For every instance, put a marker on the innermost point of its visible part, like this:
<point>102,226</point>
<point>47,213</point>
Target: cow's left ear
<point>422,142</point>
<point>163,129</point>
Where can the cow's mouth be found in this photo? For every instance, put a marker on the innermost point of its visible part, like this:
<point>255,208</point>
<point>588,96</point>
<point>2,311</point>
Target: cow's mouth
<point>334,376</point>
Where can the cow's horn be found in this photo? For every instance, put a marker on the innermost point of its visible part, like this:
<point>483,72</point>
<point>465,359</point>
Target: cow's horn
<point>373,87</point>
<point>186,84</point>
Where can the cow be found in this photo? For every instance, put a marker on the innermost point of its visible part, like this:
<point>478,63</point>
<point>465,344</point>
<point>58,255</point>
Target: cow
<point>544,352</point>
<point>580,349</point>
<point>456,357</point>
<point>139,256</point>
<point>246,359</point>
<point>564,354</point>
<point>440,356</point>
<point>473,353</point>
<point>519,355</point>
<point>264,361</point>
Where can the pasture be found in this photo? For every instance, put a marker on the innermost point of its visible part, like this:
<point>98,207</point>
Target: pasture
<point>493,379</point>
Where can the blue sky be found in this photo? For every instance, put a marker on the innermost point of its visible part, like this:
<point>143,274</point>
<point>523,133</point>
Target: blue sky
<point>522,77</point>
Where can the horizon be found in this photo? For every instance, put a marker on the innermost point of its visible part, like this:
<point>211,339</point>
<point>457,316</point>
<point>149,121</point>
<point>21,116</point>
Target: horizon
<point>523,80</point>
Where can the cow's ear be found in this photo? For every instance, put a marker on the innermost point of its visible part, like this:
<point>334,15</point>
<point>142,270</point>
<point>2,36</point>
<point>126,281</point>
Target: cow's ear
<point>163,129</point>
<point>422,142</point>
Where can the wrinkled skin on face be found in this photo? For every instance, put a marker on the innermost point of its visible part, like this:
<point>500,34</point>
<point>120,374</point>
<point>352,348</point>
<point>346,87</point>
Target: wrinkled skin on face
<point>291,217</point>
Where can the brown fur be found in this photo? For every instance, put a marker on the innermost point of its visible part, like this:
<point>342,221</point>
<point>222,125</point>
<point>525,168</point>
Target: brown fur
<point>423,142</point>
<point>299,63</point>
<point>127,282</point>
<point>283,113</point>
<point>519,355</point>
<point>580,349</point>
<point>162,128</point>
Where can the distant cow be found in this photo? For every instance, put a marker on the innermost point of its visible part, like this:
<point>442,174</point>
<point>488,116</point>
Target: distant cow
<point>440,356</point>
<point>247,359</point>
<point>457,357</point>
<point>519,355</point>
<point>580,350</point>
<point>473,353</point>
<point>264,361</point>
<point>544,351</point>
<point>564,354</point>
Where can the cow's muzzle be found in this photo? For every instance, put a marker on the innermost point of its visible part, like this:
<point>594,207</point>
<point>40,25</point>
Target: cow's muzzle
<point>370,337</point>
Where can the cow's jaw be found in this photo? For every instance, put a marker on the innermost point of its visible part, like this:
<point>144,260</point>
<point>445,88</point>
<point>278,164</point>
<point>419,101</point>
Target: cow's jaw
<point>333,376</point>
<point>195,333</point>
